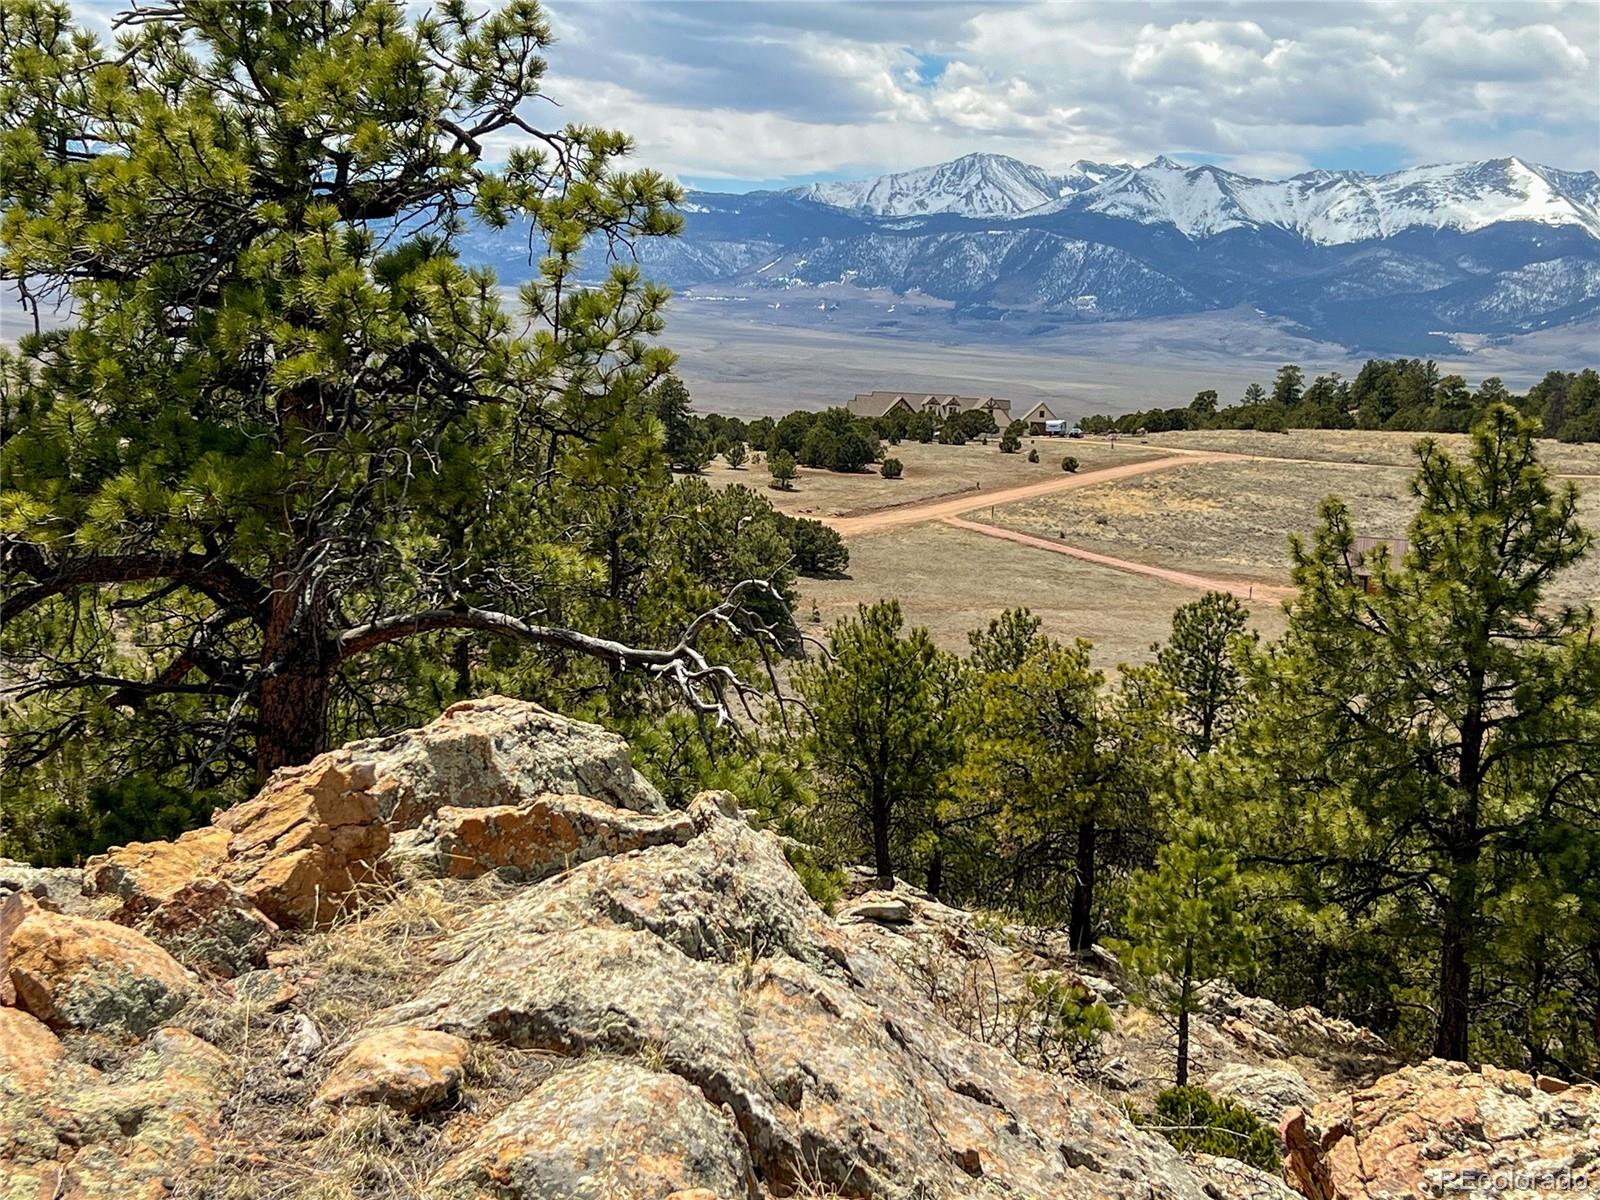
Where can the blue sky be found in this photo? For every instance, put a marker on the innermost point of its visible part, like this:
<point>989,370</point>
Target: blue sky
<point>734,94</point>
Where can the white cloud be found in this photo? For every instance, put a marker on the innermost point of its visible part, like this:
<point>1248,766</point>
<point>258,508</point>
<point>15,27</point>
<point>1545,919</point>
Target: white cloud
<point>742,91</point>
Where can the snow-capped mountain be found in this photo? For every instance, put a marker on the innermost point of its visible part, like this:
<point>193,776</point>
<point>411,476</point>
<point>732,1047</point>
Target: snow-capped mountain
<point>1326,207</point>
<point>975,185</point>
<point>1336,208</point>
<point>1395,263</point>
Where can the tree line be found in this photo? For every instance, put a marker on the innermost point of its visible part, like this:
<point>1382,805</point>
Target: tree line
<point>1406,394</point>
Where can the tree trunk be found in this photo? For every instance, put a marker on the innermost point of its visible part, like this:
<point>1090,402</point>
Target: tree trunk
<point>292,716</point>
<point>292,705</point>
<point>461,660</point>
<point>1080,925</point>
<point>1185,988</point>
<point>881,860</point>
<point>1454,986</point>
<point>936,867</point>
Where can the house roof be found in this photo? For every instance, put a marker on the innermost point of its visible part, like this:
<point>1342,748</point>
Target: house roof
<point>878,403</point>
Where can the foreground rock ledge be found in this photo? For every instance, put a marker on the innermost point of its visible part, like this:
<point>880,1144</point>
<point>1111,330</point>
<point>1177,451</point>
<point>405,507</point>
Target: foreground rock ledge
<point>707,1032</point>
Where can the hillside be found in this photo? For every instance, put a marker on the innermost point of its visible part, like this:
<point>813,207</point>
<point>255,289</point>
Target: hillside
<point>485,959</point>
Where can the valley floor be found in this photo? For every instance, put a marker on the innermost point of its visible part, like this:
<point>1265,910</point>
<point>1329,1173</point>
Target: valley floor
<point>1108,553</point>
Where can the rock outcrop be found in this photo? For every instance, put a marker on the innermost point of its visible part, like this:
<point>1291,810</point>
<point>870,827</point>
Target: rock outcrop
<point>1440,1129</point>
<point>78,973</point>
<point>129,1134</point>
<point>543,983</point>
<point>533,840</point>
<point>608,1127</point>
<point>711,959</point>
<point>1267,1092</point>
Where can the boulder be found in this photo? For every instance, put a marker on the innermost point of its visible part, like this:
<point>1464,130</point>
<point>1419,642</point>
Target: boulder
<point>56,888</point>
<point>412,1070</point>
<point>127,1135</point>
<point>316,834</point>
<point>29,1052</point>
<point>604,1128</point>
<point>883,907</point>
<point>306,841</point>
<point>144,875</point>
<point>533,840</point>
<point>1440,1128</point>
<point>1267,1092</point>
<point>711,961</point>
<point>211,925</point>
<point>491,752</point>
<point>78,973</point>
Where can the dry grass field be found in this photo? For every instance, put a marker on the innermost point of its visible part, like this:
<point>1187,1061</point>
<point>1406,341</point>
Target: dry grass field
<point>1233,519</point>
<point>1225,520</point>
<point>1360,446</point>
<point>931,471</point>
<point>951,581</point>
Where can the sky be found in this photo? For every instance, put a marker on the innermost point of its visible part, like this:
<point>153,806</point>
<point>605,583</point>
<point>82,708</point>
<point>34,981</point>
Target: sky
<point>730,95</point>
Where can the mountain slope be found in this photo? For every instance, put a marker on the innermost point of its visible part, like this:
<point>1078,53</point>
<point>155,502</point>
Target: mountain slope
<point>1399,263</point>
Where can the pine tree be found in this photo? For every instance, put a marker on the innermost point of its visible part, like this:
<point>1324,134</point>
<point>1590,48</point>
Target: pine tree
<point>1425,735</point>
<point>1287,387</point>
<point>288,440</point>
<point>780,465</point>
<point>1186,924</point>
<point>882,732</point>
<point>1199,663</point>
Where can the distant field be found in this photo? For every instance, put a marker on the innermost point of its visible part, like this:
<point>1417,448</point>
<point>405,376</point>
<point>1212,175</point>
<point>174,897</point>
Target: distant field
<point>951,581</point>
<point>1362,446</point>
<point>930,471</point>
<point>1233,519</point>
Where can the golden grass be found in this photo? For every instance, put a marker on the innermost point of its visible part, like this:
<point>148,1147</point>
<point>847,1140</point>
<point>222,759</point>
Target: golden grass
<point>931,471</point>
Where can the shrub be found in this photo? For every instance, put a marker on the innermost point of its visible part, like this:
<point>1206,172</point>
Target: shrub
<point>1033,454</point>
<point>1192,1119</point>
<point>892,468</point>
<point>950,435</point>
<point>1010,444</point>
<point>735,454</point>
<point>780,463</point>
<point>1069,464</point>
<point>838,441</point>
<point>818,550</point>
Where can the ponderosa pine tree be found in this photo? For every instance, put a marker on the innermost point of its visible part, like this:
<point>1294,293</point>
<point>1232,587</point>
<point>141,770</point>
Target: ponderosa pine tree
<point>1199,663</point>
<point>1186,922</point>
<point>284,431</point>
<point>1043,773</point>
<point>1431,740</point>
<point>882,736</point>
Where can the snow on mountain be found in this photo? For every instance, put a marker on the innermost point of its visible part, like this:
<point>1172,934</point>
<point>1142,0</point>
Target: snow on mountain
<point>975,185</point>
<point>1323,207</point>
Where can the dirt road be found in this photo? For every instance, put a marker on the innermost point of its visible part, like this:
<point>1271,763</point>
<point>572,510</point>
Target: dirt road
<point>1243,589</point>
<point>938,510</point>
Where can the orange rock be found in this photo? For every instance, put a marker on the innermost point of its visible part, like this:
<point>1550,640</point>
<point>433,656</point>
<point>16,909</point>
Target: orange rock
<point>541,837</point>
<point>29,1052</point>
<point>306,841</point>
<point>73,972</point>
<point>1439,1127</point>
<point>404,1067</point>
<point>145,874</point>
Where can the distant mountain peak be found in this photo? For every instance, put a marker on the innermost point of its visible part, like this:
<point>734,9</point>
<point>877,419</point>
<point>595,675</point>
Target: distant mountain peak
<point>1203,200</point>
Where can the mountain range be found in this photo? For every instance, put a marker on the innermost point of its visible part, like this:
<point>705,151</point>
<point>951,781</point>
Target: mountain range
<point>1400,263</point>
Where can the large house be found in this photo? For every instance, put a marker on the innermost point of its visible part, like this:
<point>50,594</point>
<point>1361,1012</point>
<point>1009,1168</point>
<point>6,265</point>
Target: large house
<point>943,405</point>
